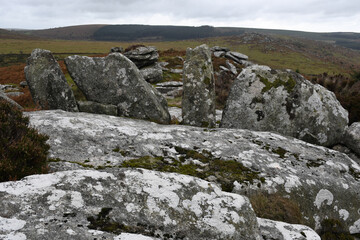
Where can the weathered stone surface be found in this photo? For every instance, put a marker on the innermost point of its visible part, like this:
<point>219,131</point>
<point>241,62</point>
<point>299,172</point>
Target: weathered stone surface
<point>352,137</point>
<point>231,67</point>
<point>219,54</point>
<point>47,82</point>
<point>263,99</point>
<point>77,204</point>
<point>152,74</point>
<point>117,49</point>
<point>271,230</point>
<point>219,49</point>
<point>235,56</point>
<point>9,100</point>
<point>98,108</point>
<point>324,183</point>
<point>117,81</point>
<point>198,102</point>
<point>143,56</point>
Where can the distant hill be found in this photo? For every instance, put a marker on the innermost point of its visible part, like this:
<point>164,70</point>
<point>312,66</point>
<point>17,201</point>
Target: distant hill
<point>81,32</point>
<point>6,34</point>
<point>141,33</point>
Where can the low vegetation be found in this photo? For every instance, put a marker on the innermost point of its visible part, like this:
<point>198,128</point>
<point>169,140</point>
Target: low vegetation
<point>23,151</point>
<point>276,207</point>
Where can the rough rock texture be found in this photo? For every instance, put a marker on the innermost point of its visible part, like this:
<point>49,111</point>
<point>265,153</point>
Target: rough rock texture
<point>152,74</point>
<point>47,82</point>
<point>77,204</point>
<point>198,102</point>
<point>271,230</point>
<point>98,108</point>
<point>352,137</point>
<point>116,80</point>
<point>237,57</point>
<point>263,99</point>
<point>143,56</point>
<point>9,100</point>
<point>325,183</point>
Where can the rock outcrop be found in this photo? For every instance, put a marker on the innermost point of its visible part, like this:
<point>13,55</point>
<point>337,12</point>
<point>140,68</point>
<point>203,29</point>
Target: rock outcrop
<point>264,99</point>
<point>352,137</point>
<point>143,56</point>
<point>152,74</point>
<point>115,80</point>
<point>325,184</point>
<point>198,102</point>
<point>146,59</point>
<point>88,204</point>
<point>47,82</point>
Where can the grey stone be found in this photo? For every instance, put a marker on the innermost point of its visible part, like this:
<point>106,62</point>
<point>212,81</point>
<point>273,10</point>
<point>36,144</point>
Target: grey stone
<point>152,74</point>
<point>14,94</point>
<point>5,98</point>
<point>117,49</point>
<point>352,137</point>
<point>263,99</point>
<point>170,84</point>
<point>231,67</point>
<point>198,102</point>
<point>323,182</point>
<point>70,205</point>
<point>23,84</point>
<point>271,230</point>
<point>115,80</point>
<point>177,71</point>
<point>219,49</point>
<point>143,56</point>
<point>172,92</point>
<point>98,108</point>
<point>237,57</point>
<point>219,54</point>
<point>47,83</point>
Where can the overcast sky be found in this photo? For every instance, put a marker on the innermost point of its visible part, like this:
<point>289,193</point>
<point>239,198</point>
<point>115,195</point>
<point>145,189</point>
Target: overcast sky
<point>306,15</point>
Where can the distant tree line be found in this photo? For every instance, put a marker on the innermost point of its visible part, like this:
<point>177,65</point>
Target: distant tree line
<point>164,33</point>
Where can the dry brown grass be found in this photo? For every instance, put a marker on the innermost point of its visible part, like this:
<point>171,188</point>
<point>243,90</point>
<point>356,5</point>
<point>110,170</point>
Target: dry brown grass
<point>276,207</point>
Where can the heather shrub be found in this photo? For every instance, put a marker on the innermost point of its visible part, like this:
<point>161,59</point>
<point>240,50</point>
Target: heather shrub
<point>276,207</point>
<point>23,151</point>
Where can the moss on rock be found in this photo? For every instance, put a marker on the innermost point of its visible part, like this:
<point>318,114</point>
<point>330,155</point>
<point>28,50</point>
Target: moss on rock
<point>200,164</point>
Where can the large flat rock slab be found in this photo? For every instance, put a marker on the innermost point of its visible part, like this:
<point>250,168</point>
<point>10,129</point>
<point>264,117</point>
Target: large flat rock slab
<point>89,204</point>
<point>323,182</point>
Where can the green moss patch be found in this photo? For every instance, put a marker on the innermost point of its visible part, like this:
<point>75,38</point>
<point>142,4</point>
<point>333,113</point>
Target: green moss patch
<point>289,84</point>
<point>199,164</point>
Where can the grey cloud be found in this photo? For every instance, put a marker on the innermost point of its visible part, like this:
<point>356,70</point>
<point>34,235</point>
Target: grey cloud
<point>45,13</point>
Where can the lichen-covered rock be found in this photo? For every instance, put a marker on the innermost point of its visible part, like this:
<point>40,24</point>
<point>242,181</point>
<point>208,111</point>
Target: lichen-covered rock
<point>198,102</point>
<point>152,74</point>
<point>98,108</point>
<point>271,230</point>
<point>143,56</point>
<point>324,183</point>
<point>47,83</point>
<point>116,80</point>
<point>83,203</point>
<point>352,137</point>
<point>264,99</point>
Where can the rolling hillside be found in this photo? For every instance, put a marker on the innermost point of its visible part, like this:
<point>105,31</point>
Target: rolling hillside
<point>174,33</point>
